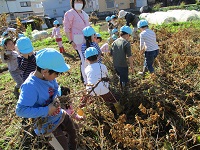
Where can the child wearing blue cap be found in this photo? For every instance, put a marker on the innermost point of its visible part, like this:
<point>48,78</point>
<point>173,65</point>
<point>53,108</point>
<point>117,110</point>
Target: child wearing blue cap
<point>105,47</point>
<point>110,25</point>
<point>97,72</point>
<point>9,56</point>
<point>120,50</point>
<point>26,59</point>
<point>38,100</point>
<point>57,35</point>
<point>90,37</point>
<point>148,46</point>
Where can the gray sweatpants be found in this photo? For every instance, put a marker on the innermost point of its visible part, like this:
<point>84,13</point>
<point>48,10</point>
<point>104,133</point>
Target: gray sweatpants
<point>17,76</point>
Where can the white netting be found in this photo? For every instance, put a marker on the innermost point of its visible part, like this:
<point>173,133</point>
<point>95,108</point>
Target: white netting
<point>171,16</point>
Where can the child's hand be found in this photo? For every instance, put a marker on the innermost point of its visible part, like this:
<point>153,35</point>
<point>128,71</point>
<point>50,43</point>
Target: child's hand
<point>52,109</point>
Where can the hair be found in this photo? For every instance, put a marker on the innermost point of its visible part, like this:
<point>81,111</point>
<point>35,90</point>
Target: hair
<point>145,26</point>
<point>58,25</point>
<point>123,33</point>
<point>72,3</point>
<point>7,40</point>
<point>88,41</point>
<point>99,38</point>
<point>50,71</point>
<point>92,58</point>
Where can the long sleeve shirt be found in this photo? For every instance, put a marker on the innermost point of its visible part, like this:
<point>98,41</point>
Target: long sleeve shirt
<point>12,59</point>
<point>148,40</point>
<point>26,65</point>
<point>74,23</point>
<point>56,32</point>
<point>35,96</point>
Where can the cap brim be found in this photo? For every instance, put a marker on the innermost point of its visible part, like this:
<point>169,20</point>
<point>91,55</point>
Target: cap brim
<point>26,51</point>
<point>64,68</point>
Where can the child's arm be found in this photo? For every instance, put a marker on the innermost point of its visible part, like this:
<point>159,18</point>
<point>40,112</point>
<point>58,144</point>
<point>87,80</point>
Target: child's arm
<point>130,59</point>
<point>4,57</point>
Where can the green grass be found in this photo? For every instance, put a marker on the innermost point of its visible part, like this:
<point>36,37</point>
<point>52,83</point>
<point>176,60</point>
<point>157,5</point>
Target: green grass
<point>158,7</point>
<point>176,26</point>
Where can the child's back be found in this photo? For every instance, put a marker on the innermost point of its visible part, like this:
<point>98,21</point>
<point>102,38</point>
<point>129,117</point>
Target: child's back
<point>95,72</point>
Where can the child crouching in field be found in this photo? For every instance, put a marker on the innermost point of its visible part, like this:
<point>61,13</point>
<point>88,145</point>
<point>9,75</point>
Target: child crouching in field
<point>38,100</point>
<point>97,72</point>
<point>9,56</point>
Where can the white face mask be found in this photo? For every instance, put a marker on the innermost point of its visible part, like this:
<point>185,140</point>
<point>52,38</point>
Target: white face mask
<point>78,6</point>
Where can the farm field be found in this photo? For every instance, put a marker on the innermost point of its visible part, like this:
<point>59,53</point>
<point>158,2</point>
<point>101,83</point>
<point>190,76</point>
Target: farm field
<point>160,111</point>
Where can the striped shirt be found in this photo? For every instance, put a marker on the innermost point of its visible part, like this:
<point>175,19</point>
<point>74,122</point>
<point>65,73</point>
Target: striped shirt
<point>26,65</point>
<point>95,45</point>
<point>148,40</point>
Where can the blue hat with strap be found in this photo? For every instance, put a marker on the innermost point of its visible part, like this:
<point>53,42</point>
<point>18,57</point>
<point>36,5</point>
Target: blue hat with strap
<point>2,42</point>
<point>142,23</point>
<point>108,18</point>
<point>24,45</point>
<point>88,31</point>
<point>91,51</point>
<point>56,22</point>
<point>51,59</point>
<point>114,37</point>
<point>113,16</point>
<point>98,35</point>
<point>114,30</point>
<point>126,29</point>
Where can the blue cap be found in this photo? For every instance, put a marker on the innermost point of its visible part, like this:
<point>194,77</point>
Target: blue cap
<point>56,22</point>
<point>24,45</point>
<point>142,23</point>
<point>114,37</point>
<point>114,30</point>
<point>2,42</point>
<point>113,16</point>
<point>108,18</point>
<point>88,31</point>
<point>126,29</point>
<point>20,35</point>
<point>4,33</point>
<point>98,35</point>
<point>51,59</point>
<point>91,51</point>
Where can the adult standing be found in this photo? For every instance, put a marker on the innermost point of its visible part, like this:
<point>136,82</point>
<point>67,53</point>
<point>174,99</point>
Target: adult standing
<point>131,19</point>
<point>75,20</point>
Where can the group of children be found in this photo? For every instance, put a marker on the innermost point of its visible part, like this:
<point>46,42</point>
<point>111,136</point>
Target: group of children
<point>20,58</point>
<point>36,74</point>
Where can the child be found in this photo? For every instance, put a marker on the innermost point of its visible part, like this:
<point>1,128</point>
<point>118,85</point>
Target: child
<point>95,72</point>
<point>56,33</point>
<point>38,100</point>
<point>115,32</point>
<point>110,25</point>
<point>26,61</point>
<point>105,47</point>
<point>9,56</point>
<point>90,37</point>
<point>148,46</point>
<point>121,49</point>
<point>114,21</point>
